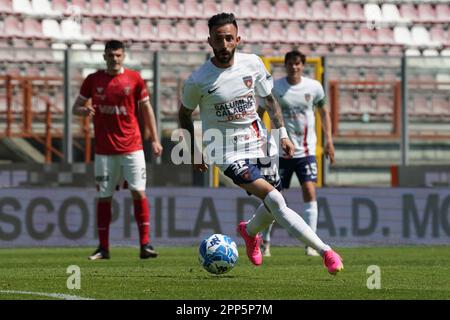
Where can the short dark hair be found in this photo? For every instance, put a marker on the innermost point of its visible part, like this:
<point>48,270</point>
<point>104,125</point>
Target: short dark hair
<point>221,19</point>
<point>114,45</point>
<point>295,54</point>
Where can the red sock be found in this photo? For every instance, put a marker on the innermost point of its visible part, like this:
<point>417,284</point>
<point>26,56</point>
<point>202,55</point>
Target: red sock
<point>142,215</point>
<point>103,222</point>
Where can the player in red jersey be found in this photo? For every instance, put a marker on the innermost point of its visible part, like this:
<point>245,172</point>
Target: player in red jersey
<point>117,95</point>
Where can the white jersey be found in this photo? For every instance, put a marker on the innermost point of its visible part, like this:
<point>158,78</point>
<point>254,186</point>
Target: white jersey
<point>297,104</point>
<point>228,104</point>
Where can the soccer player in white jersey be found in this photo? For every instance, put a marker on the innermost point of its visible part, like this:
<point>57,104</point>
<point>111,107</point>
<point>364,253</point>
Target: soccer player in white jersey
<point>224,88</point>
<point>298,97</point>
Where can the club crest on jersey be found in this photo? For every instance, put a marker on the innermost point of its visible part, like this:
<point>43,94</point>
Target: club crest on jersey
<point>307,97</point>
<point>99,89</point>
<point>126,90</point>
<point>248,81</point>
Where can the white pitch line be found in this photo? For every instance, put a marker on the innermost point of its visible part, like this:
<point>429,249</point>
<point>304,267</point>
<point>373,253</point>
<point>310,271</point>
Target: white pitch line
<point>45,294</point>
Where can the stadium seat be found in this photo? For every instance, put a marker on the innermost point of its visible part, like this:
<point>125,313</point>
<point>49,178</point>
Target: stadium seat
<point>90,28</point>
<point>426,13</point>
<point>319,11</point>
<point>276,32</point>
<point>184,32</point>
<point>51,29</point>
<point>300,10</point>
<point>147,31</point>
<point>412,52</point>
<point>330,35</point>
<point>258,33</point>
<point>44,8</point>
<point>438,34</point>
<point>165,32</point>
<point>294,33</point>
<point>385,36</point>
<point>99,8</point>
<point>6,53</point>
<point>265,10</point>
<point>282,10</point>
<point>32,29</point>
<point>23,51</point>
<point>6,7</point>
<point>22,7</point>
<point>193,9</point>
<point>12,27</point>
<point>441,105</point>
<point>108,31</point>
<point>60,6</point>
<point>421,37</point>
<point>129,31</point>
<point>42,51</point>
<point>210,8</point>
<point>247,10</point>
<point>117,8</point>
<point>230,6</point>
<point>355,12</point>
<point>349,36</point>
<point>408,11</point>
<point>372,13</point>
<point>201,31</point>
<point>155,9</point>
<point>174,9</point>
<point>137,8</point>
<point>337,11</point>
<point>71,31</point>
<point>442,12</point>
<point>403,36</point>
<point>384,105</point>
<point>81,6</point>
<point>312,33</point>
<point>367,36</point>
<point>391,14</point>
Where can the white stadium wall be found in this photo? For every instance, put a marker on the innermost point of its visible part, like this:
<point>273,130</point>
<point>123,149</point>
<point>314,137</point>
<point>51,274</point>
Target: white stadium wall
<point>184,216</point>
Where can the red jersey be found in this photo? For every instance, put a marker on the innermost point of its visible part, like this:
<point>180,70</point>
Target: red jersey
<point>115,99</point>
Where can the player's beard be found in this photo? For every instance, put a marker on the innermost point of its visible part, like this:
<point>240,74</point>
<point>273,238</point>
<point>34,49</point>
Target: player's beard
<point>224,59</point>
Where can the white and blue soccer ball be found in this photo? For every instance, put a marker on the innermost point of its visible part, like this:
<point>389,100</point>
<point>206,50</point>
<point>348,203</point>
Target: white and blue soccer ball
<point>218,253</point>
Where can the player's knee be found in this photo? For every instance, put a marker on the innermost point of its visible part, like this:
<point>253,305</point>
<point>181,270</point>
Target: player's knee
<point>274,201</point>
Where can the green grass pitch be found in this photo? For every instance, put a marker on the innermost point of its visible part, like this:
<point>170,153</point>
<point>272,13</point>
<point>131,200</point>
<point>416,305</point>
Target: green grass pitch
<point>406,273</point>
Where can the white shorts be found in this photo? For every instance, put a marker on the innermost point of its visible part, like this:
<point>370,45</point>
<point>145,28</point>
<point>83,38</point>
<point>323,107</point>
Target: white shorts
<point>109,169</point>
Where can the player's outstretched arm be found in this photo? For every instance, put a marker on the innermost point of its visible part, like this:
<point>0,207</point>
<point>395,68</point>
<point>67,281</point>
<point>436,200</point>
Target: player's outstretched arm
<point>185,120</point>
<point>276,116</point>
<point>81,108</point>
<point>326,125</point>
<point>150,126</point>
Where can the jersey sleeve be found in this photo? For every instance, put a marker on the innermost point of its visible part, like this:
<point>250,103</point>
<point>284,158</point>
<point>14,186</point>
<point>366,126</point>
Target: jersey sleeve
<point>141,90</point>
<point>191,94</point>
<point>86,87</point>
<point>264,80</point>
<point>319,97</point>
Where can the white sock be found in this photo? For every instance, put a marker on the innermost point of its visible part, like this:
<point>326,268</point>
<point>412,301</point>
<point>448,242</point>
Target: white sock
<point>260,220</point>
<point>310,215</point>
<point>292,222</point>
<point>265,233</point>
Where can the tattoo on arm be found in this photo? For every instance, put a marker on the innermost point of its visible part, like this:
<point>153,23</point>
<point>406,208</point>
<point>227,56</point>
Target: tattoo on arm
<point>185,119</point>
<point>274,111</point>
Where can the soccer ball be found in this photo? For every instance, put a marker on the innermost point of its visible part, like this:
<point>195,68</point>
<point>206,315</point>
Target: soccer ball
<point>218,254</point>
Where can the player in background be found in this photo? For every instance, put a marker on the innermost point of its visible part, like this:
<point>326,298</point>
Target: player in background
<point>118,95</point>
<point>224,88</point>
<point>298,97</point>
